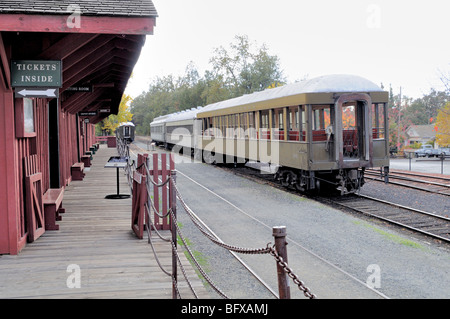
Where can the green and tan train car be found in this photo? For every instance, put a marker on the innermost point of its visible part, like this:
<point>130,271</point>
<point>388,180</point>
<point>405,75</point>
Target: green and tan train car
<point>320,133</point>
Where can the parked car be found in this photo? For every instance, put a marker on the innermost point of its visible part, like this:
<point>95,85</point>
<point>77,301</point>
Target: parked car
<point>445,151</point>
<point>427,150</point>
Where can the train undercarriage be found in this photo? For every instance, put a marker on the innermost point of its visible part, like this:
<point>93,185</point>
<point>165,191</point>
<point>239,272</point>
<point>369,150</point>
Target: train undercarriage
<point>343,181</point>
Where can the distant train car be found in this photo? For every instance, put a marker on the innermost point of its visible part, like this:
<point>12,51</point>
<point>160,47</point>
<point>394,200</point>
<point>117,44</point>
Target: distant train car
<point>126,132</point>
<point>320,133</point>
<point>158,130</point>
<point>181,129</point>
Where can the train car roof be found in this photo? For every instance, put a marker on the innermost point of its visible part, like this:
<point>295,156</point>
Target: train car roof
<point>160,119</point>
<point>182,115</point>
<point>320,90</point>
<point>126,124</point>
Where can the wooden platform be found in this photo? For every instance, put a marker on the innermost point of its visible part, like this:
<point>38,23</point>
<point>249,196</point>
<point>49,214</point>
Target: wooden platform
<point>95,235</point>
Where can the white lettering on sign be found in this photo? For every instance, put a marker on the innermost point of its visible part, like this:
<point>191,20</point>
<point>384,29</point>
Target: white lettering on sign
<point>37,78</point>
<point>36,67</point>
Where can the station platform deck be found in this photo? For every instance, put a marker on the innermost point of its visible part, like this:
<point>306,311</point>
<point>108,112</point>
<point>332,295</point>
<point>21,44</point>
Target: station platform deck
<point>95,241</point>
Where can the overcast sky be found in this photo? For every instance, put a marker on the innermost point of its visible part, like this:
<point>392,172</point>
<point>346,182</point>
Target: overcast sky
<point>398,42</point>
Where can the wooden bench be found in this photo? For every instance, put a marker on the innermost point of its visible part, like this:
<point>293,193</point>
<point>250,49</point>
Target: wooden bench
<point>52,200</point>
<point>77,171</point>
<point>86,159</point>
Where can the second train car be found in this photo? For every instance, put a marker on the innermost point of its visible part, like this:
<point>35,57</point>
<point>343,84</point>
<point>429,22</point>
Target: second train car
<point>320,133</point>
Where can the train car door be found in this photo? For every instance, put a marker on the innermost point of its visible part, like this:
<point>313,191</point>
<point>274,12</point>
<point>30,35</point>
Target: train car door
<point>352,133</point>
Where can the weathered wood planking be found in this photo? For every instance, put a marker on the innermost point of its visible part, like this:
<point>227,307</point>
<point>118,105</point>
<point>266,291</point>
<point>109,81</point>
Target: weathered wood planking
<point>95,234</point>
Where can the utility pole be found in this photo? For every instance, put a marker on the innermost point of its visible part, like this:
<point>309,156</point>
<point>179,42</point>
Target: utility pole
<point>399,118</point>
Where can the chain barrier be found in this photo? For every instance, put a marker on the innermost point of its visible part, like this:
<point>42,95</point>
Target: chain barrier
<point>301,286</point>
<point>269,249</point>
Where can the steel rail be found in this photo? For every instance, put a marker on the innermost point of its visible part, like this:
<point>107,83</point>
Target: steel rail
<point>417,174</point>
<point>412,186</point>
<point>390,220</point>
<point>405,178</point>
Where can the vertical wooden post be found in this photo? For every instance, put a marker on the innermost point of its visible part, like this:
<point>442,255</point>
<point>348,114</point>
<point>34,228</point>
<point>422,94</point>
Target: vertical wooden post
<point>156,190</point>
<point>279,233</point>
<point>164,189</point>
<point>173,206</point>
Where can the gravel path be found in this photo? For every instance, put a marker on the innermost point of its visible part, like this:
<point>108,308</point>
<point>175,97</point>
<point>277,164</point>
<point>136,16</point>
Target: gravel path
<point>412,266</point>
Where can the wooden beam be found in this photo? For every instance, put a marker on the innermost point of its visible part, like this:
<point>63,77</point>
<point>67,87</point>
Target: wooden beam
<point>85,101</point>
<point>85,67</point>
<point>5,73</point>
<point>103,85</point>
<point>89,24</point>
<point>86,50</point>
<point>66,46</point>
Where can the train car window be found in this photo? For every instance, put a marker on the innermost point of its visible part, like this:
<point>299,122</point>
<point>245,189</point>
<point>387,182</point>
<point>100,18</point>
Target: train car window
<point>264,125</point>
<point>302,122</point>
<point>293,125</point>
<point>219,126</point>
<point>230,126</point>
<point>280,120</point>
<point>321,119</point>
<point>205,127</point>
<point>251,125</point>
<point>224,125</point>
<point>277,124</point>
<point>378,121</point>
<point>243,125</point>
<point>349,116</point>
<point>264,119</point>
<point>327,117</point>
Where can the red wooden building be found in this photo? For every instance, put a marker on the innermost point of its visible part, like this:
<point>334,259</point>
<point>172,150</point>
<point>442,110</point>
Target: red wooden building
<point>83,53</point>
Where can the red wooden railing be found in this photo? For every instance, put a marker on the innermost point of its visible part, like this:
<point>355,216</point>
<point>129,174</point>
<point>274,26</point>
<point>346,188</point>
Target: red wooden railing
<point>152,193</point>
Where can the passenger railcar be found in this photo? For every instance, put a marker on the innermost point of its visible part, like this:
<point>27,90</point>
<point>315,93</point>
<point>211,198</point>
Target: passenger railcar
<point>320,133</point>
<point>181,129</point>
<point>126,132</point>
<point>158,129</point>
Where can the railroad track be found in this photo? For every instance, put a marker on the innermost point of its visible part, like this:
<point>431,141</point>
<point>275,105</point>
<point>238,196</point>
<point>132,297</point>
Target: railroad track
<point>432,225</point>
<point>428,183</point>
<point>426,223</point>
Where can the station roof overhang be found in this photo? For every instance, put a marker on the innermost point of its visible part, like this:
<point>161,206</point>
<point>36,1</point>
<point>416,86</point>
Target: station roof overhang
<point>99,53</point>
